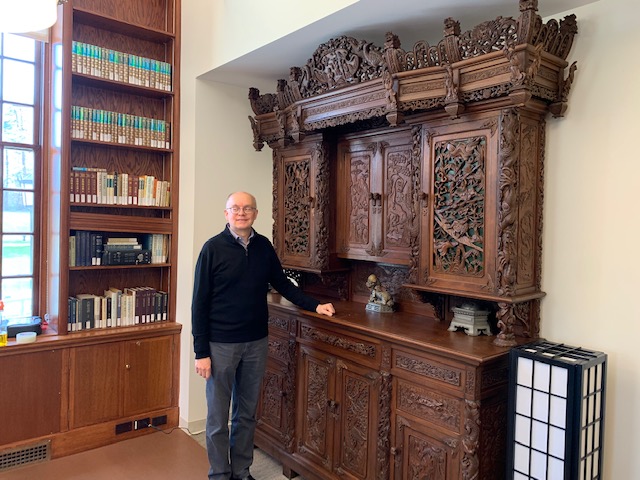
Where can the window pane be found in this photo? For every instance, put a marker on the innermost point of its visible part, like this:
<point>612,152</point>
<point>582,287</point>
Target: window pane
<point>17,294</point>
<point>17,255</point>
<point>18,82</point>
<point>17,124</point>
<point>17,46</point>
<point>17,214</point>
<point>18,168</point>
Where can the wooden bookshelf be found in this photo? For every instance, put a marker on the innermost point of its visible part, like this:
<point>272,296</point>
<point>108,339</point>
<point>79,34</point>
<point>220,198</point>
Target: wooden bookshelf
<point>148,30</point>
<point>95,381</point>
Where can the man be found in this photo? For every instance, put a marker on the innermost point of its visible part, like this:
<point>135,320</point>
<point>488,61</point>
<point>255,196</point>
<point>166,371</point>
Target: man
<point>229,326</point>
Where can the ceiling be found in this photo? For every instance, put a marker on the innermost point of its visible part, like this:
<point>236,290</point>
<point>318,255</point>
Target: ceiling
<point>369,20</point>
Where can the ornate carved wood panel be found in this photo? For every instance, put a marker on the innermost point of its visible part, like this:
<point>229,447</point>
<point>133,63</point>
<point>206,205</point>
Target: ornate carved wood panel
<point>421,455</point>
<point>376,204</point>
<point>276,410</point>
<point>316,407</point>
<point>460,202</point>
<point>358,392</point>
<point>301,205</point>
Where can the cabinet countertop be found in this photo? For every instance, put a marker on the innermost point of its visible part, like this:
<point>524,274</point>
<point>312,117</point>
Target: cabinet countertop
<point>404,329</point>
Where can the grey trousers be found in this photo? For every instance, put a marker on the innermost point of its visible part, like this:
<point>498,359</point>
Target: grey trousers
<point>236,377</point>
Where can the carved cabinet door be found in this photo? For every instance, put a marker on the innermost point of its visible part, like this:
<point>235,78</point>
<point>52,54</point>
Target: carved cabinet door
<point>356,412</point>
<point>423,453</point>
<point>337,421</point>
<point>276,408</point>
<point>459,207</point>
<point>301,205</point>
<point>316,407</point>
<point>376,188</point>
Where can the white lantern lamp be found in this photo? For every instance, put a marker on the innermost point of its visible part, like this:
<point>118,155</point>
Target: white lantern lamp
<point>556,412</point>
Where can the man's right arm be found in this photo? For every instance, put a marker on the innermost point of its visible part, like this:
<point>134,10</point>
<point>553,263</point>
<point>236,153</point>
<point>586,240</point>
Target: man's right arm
<point>202,288</point>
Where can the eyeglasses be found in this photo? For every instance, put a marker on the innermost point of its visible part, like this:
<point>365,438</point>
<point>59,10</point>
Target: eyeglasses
<point>235,209</point>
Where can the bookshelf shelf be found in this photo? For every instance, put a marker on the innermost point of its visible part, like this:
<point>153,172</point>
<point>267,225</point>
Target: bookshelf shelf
<point>125,146</point>
<point>114,25</point>
<point>105,83</point>
<point>120,267</point>
<point>119,223</point>
<point>78,205</point>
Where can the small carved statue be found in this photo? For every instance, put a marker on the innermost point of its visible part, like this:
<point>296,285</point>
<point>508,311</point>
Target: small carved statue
<point>380,300</point>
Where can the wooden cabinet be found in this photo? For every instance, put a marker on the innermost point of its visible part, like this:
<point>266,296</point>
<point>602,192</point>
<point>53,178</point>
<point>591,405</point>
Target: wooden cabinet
<point>459,246</point>
<point>439,158</point>
<point>120,379</point>
<point>276,410</point>
<point>481,216</point>
<point>395,396</point>
<point>420,452</point>
<point>445,415</point>
<point>376,197</point>
<point>32,393</point>
<point>337,409</point>
<point>149,374</point>
<point>95,383</point>
<point>301,187</point>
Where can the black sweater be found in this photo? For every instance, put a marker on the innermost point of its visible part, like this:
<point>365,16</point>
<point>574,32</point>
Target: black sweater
<point>230,291</point>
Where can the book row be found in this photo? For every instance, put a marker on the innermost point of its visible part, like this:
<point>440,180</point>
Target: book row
<point>115,127</point>
<point>117,308</point>
<point>97,186</point>
<point>101,249</point>
<point>120,66</point>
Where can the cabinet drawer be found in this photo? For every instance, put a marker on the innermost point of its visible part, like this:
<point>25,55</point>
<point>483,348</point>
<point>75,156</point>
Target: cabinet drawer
<point>435,407</point>
<point>280,323</point>
<point>281,349</point>
<point>337,342</point>
<point>424,368</point>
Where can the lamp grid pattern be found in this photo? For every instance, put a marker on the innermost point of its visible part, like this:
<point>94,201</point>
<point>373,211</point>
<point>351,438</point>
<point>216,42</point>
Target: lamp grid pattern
<point>556,412</point>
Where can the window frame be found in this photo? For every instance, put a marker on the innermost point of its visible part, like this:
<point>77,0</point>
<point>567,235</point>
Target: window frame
<point>40,106</point>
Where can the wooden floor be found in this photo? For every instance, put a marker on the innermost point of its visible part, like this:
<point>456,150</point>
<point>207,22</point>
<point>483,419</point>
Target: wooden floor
<point>157,456</point>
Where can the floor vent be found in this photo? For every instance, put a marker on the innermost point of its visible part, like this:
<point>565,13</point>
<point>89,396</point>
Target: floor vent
<point>26,454</point>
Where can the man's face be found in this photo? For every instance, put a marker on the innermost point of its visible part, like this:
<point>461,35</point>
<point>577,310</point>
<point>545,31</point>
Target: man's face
<point>246,211</point>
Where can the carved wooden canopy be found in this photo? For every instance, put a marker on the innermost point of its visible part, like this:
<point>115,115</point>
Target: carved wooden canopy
<point>346,80</point>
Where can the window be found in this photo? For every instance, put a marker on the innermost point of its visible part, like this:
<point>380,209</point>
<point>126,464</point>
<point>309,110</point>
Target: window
<point>20,104</point>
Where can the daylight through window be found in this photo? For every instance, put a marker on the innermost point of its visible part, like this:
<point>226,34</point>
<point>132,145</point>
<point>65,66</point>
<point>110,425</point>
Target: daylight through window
<point>20,71</point>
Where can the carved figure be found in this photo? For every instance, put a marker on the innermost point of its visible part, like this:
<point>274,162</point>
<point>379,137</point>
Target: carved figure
<point>380,300</point>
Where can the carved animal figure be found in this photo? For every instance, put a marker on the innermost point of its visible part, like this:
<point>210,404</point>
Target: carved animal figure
<point>379,294</point>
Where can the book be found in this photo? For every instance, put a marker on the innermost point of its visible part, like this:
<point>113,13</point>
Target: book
<point>72,305</point>
<point>116,305</point>
<point>72,251</point>
<point>86,314</point>
<point>121,240</point>
<point>134,305</point>
<point>126,257</point>
<point>122,246</point>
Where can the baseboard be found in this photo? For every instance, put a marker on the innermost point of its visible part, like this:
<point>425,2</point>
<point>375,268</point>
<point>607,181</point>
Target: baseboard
<point>197,426</point>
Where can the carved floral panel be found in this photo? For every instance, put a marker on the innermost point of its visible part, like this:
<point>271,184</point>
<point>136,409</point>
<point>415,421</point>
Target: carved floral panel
<point>426,459</point>
<point>359,197</point>
<point>297,195</point>
<point>272,400</point>
<point>459,199</point>
<point>399,197</point>
<point>316,407</point>
<point>355,424</point>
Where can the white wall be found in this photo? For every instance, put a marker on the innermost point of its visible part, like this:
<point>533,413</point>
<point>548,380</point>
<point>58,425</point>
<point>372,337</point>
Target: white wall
<point>591,222</point>
<point>590,268</point>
